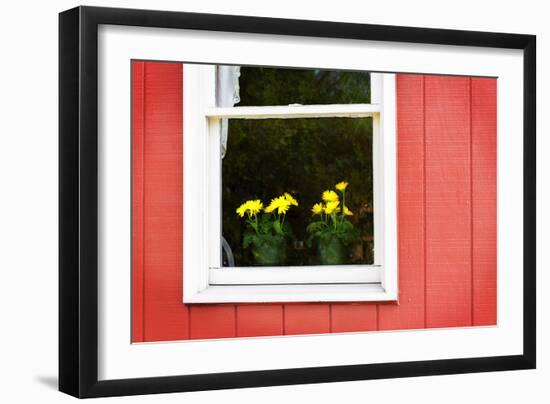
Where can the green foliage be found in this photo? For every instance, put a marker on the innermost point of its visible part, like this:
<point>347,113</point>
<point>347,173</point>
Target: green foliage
<point>333,226</point>
<point>332,229</point>
<point>265,228</point>
<point>266,237</point>
<point>268,249</point>
<point>275,86</point>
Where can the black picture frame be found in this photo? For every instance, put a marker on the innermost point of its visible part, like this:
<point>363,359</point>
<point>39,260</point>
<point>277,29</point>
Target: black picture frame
<point>78,205</point>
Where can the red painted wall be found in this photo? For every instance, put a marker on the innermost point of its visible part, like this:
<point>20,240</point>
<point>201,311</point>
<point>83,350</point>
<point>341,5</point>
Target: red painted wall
<point>446,217</point>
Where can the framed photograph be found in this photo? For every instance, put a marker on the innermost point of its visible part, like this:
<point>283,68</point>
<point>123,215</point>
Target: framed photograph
<point>254,202</point>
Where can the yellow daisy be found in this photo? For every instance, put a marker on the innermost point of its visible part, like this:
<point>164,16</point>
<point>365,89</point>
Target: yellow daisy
<point>241,210</point>
<point>271,207</point>
<point>317,208</point>
<point>252,207</point>
<point>283,207</point>
<point>255,206</point>
<point>280,203</point>
<point>330,196</point>
<point>347,212</point>
<point>341,186</point>
<point>290,199</point>
<point>332,207</point>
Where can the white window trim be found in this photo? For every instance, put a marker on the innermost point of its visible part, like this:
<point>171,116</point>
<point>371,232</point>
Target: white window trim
<point>323,274</point>
<point>203,279</point>
<point>296,111</point>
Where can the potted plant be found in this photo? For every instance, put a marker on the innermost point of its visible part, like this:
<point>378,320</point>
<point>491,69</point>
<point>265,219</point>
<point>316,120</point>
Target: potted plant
<point>267,233</point>
<point>332,230</point>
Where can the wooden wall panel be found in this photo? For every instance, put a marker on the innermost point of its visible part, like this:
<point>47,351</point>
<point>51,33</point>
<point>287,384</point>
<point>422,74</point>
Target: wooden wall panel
<point>446,218</point>
<point>307,318</point>
<point>410,196</point>
<point>138,213</point>
<point>164,315</point>
<point>484,194</point>
<point>259,319</point>
<point>212,321</point>
<point>349,317</point>
<point>448,202</point>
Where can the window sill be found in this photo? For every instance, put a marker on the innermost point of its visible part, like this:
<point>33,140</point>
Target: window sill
<point>322,274</point>
<point>368,292</point>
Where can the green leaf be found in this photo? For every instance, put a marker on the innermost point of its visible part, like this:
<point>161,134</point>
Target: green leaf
<point>248,238</point>
<point>277,227</point>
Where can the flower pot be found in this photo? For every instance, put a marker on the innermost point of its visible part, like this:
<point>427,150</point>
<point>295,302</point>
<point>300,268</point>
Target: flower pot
<point>269,252</point>
<point>331,251</point>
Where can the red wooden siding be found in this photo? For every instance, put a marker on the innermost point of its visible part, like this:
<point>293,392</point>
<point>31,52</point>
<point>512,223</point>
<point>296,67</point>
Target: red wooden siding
<point>157,195</point>
<point>346,317</point>
<point>484,231</point>
<point>259,319</point>
<point>212,321</point>
<point>446,217</point>
<point>307,318</point>
<point>448,202</point>
<point>410,313</point>
<point>137,201</point>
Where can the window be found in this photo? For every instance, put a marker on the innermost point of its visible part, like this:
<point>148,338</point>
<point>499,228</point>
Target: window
<point>299,132</point>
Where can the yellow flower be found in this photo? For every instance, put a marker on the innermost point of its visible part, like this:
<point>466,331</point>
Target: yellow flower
<point>271,207</point>
<point>255,206</point>
<point>330,196</point>
<point>341,186</point>
<point>280,203</point>
<point>291,199</point>
<point>332,207</point>
<point>347,212</point>
<point>274,204</point>
<point>252,207</point>
<point>283,207</point>
<point>241,210</point>
<point>317,208</point>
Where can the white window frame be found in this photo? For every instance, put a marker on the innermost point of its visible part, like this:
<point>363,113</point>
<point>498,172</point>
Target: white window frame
<point>204,280</point>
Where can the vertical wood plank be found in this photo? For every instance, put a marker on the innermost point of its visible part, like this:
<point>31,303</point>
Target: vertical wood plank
<point>409,313</point>
<point>484,171</point>
<point>306,318</point>
<point>212,321</point>
<point>353,317</point>
<point>448,202</point>
<point>165,316</point>
<point>137,200</point>
<point>259,319</point>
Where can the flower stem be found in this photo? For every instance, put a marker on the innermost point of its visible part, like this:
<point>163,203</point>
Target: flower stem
<point>343,203</point>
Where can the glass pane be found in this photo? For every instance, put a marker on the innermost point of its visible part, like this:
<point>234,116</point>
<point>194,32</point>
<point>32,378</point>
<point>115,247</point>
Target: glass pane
<point>275,86</point>
<point>302,157</point>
